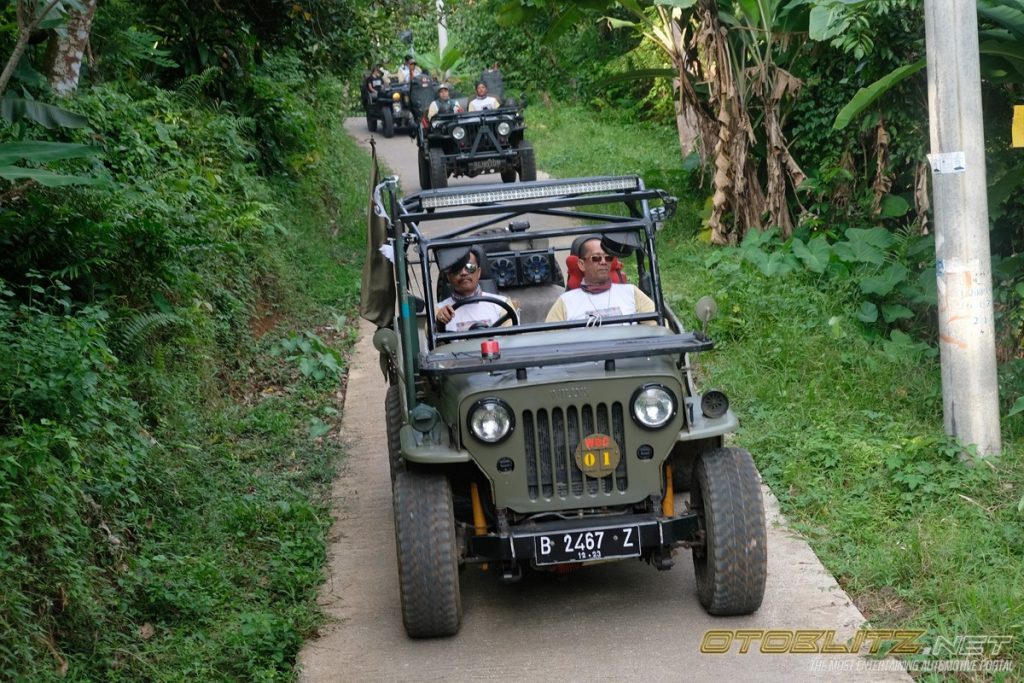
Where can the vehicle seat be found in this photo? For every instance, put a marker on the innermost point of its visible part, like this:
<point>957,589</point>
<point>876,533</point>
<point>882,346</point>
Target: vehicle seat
<point>574,276</point>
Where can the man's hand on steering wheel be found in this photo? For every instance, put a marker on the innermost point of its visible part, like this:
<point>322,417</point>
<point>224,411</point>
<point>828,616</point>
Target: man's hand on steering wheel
<point>510,312</point>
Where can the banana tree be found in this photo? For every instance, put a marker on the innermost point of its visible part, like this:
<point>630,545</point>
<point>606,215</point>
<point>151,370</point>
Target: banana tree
<point>21,161</point>
<point>449,65</point>
<point>732,85</point>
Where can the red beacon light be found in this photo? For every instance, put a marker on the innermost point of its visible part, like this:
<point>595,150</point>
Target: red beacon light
<point>490,350</point>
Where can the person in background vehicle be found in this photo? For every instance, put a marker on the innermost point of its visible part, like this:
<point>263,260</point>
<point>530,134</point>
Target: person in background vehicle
<point>464,278</point>
<point>408,70</point>
<point>375,81</point>
<point>598,297</point>
<point>482,101</point>
<point>443,104</point>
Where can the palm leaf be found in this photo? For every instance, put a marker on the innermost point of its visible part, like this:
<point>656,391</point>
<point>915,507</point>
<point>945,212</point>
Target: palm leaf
<point>15,109</point>
<point>49,178</point>
<point>41,152</point>
<point>867,95</point>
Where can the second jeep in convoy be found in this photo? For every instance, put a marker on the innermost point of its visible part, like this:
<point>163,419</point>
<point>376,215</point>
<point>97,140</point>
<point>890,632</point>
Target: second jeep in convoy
<point>474,143</point>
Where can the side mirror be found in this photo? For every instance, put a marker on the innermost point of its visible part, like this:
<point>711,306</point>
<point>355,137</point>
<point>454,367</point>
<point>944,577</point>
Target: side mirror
<point>386,341</point>
<point>706,309</point>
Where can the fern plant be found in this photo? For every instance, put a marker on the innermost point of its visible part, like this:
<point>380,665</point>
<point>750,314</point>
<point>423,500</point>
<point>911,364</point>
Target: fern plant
<point>129,336</point>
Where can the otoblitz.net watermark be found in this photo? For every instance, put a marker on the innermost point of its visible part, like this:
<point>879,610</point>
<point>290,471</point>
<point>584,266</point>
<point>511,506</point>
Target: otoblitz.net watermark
<point>963,653</point>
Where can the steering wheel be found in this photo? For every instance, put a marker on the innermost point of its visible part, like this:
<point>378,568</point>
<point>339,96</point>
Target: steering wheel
<point>510,313</point>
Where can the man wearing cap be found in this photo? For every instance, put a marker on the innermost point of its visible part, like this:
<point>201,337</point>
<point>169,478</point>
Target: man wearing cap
<point>464,277</point>
<point>443,104</point>
<point>483,101</point>
<point>598,297</point>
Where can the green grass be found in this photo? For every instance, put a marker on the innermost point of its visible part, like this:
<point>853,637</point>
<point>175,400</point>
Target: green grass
<point>846,429</point>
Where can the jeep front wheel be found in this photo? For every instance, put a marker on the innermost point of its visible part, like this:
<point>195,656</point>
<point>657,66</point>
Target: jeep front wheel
<point>393,420</point>
<point>438,172</point>
<point>732,566</point>
<point>527,162</point>
<point>371,121</point>
<point>389,122</point>
<point>428,570</point>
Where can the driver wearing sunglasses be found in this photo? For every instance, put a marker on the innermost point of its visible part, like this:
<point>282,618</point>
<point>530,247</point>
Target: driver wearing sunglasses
<point>464,278</point>
<point>598,297</point>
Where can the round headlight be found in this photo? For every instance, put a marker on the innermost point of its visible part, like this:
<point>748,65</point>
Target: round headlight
<point>490,420</point>
<point>458,132</point>
<point>396,96</point>
<point>653,406</point>
<point>504,128</point>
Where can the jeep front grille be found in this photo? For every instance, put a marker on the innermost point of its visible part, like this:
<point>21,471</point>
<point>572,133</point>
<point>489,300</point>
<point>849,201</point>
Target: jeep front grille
<point>551,437</point>
<point>486,139</point>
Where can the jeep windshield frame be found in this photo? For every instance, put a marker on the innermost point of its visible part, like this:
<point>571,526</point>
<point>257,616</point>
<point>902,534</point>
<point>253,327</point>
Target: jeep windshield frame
<point>490,205</point>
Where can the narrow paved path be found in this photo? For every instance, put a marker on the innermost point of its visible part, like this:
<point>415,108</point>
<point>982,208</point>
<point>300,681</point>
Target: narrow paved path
<point>616,622</point>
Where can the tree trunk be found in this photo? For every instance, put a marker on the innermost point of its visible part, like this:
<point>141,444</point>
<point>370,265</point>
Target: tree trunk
<point>65,53</point>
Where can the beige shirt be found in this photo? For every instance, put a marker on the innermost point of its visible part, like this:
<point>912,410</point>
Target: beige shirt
<point>621,299</point>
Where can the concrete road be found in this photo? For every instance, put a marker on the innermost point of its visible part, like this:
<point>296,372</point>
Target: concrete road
<point>614,622</point>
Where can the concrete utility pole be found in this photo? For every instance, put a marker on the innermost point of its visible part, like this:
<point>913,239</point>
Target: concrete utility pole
<point>442,28</point>
<point>970,394</point>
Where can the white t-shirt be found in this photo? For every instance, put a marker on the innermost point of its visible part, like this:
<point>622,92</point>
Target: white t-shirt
<point>483,103</point>
<point>479,312</point>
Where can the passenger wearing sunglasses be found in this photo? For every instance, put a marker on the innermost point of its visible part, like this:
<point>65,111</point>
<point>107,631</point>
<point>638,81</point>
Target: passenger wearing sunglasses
<point>598,297</point>
<point>464,278</point>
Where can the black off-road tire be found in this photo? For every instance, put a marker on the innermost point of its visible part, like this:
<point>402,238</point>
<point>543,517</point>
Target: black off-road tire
<point>527,162</point>
<point>393,419</point>
<point>371,122</point>
<point>732,568</point>
<point>508,176</point>
<point>438,172</point>
<point>389,122</point>
<point>424,167</point>
<point>428,570</point>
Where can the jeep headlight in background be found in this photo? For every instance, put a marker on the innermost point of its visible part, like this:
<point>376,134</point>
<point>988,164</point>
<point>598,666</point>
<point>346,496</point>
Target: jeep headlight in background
<point>458,132</point>
<point>491,420</point>
<point>504,128</point>
<point>653,406</point>
<point>396,96</point>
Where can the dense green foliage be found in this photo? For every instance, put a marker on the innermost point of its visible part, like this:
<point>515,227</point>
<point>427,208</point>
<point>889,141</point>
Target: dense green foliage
<point>845,425</point>
<point>162,467</point>
<point>173,340</point>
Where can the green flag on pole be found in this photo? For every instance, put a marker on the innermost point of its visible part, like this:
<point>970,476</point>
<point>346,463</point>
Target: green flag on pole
<point>378,286</point>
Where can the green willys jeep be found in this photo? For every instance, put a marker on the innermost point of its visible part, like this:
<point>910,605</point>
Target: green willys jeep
<point>540,445</point>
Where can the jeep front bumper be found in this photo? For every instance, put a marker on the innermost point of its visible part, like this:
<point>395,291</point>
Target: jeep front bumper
<point>586,540</point>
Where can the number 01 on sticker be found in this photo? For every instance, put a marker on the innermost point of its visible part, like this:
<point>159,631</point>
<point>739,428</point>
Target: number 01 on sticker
<point>591,544</point>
